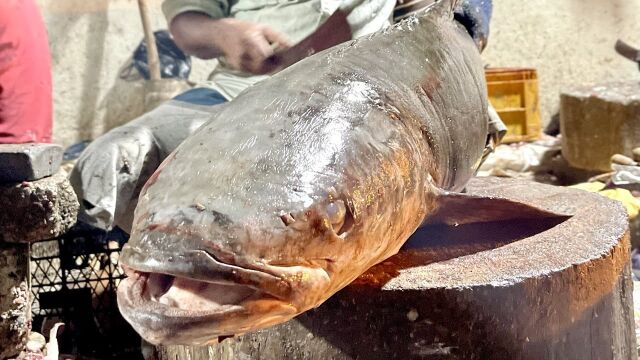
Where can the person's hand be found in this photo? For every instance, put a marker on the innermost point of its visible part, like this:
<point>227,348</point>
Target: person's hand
<point>245,45</point>
<point>248,46</point>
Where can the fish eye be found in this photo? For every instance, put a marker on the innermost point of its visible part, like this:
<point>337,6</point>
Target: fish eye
<point>336,211</point>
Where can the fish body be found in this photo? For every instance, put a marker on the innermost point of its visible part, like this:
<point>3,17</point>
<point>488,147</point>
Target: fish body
<point>304,181</point>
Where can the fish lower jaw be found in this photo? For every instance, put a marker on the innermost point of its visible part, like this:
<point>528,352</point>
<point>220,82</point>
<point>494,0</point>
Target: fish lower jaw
<point>173,297</point>
<point>165,309</point>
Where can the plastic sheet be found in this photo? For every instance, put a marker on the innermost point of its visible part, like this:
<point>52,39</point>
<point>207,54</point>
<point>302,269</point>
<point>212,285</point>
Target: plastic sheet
<point>174,63</point>
<point>622,195</point>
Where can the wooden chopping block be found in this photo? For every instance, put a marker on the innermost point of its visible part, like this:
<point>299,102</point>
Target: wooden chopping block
<point>558,289</point>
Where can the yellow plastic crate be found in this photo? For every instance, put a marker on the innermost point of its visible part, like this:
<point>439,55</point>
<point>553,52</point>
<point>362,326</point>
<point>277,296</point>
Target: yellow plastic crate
<point>513,92</point>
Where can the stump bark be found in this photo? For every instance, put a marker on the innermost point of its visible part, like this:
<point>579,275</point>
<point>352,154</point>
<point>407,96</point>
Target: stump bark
<point>15,298</point>
<point>37,210</point>
<point>29,211</point>
<point>513,290</point>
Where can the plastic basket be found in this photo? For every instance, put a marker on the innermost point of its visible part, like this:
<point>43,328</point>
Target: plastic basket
<point>74,280</point>
<point>513,92</point>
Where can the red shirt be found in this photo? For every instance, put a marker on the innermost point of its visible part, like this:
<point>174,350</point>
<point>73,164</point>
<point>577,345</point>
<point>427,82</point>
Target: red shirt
<point>25,74</point>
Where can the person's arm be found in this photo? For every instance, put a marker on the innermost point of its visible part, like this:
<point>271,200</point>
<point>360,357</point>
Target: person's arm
<point>245,45</point>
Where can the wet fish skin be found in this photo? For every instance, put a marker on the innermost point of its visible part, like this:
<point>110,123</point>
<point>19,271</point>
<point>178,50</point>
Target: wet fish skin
<point>305,181</point>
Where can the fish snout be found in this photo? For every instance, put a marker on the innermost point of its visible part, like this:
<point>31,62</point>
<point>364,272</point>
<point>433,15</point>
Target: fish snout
<point>202,266</point>
<point>167,310</point>
<point>195,273</point>
<point>194,298</point>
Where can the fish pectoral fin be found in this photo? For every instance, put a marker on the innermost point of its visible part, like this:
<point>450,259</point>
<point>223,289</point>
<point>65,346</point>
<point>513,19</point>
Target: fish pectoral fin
<point>458,208</point>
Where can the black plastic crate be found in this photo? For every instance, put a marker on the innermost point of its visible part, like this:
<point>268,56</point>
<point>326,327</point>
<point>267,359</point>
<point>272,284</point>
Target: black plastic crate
<point>74,280</point>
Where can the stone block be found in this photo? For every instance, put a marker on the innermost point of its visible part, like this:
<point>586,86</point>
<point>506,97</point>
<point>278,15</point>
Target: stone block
<point>37,210</point>
<point>598,121</point>
<point>28,162</point>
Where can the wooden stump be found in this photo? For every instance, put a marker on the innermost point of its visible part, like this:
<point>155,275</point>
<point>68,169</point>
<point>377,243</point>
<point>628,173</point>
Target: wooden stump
<point>511,290</point>
<point>29,211</point>
<point>15,299</point>
<point>598,121</point>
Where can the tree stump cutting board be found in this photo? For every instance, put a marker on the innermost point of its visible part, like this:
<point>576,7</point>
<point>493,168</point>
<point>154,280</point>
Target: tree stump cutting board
<point>558,289</point>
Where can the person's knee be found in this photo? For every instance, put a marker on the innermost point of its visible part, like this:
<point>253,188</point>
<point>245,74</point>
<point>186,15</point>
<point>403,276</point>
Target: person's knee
<point>110,172</point>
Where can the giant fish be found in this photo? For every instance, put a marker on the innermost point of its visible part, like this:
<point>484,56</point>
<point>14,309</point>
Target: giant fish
<point>306,180</point>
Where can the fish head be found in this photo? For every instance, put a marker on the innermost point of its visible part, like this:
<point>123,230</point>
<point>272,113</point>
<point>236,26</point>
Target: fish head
<point>209,262</point>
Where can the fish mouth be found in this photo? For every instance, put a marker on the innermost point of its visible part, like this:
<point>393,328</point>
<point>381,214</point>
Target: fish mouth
<point>176,303</point>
